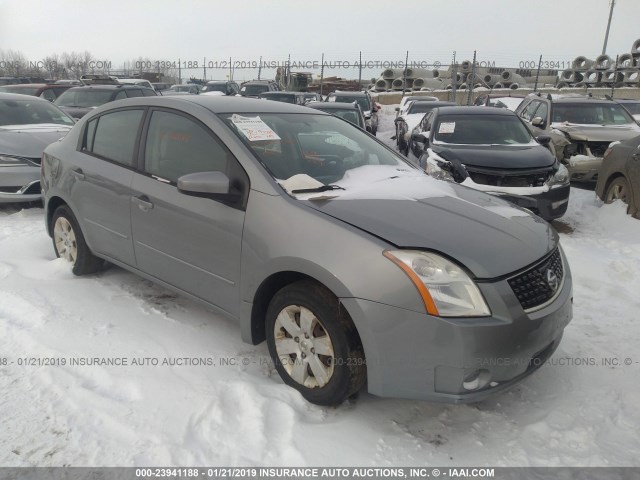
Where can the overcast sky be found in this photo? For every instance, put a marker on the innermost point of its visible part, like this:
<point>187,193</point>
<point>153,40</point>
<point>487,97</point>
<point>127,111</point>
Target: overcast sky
<point>506,32</point>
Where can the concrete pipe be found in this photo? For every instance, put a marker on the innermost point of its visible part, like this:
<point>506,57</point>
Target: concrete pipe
<point>398,84</point>
<point>383,84</point>
<point>498,85</point>
<point>418,73</point>
<point>563,85</point>
<point>466,66</point>
<point>543,80</point>
<point>625,61</point>
<point>441,74</point>
<point>374,80</point>
<point>631,76</point>
<point>460,77</point>
<point>475,78</point>
<point>513,78</point>
<point>592,76</point>
<point>448,87</point>
<point>391,73</point>
<point>613,76</point>
<point>430,83</point>
<point>580,85</point>
<point>603,62</point>
<point>463,86</point>
<point>490,79</point>
<point>582,63</point>
<point>635,48</point>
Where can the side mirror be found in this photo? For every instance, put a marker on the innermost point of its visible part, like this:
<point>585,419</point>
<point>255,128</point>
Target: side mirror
<point>419,137</point>
<point>543,139</point>
<point>206,184</point>
<point>538,122</point>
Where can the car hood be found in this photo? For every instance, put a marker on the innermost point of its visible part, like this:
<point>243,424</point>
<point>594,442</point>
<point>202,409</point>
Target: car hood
<point>489,236</point>
<point>500,156</point>
<point>29,140</point>
<point>413,119</point>
<point>598,133</point>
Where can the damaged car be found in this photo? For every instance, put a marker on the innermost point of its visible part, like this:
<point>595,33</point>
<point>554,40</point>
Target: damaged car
<point>491,150</point>
<point>580,127</point>
<point>407,121</point>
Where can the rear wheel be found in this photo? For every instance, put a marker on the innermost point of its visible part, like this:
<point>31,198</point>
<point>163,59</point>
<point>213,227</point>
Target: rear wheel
<point>618,189</point>
<point>314,343</point>
<point>69,243</point>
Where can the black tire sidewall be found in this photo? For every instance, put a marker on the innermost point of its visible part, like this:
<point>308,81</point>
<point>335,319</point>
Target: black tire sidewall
<point>332,318</point>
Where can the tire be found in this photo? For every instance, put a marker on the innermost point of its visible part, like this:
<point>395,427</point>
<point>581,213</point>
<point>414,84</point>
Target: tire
<point>619,189</point>
<point>326,378</point>
<point>69,243</point>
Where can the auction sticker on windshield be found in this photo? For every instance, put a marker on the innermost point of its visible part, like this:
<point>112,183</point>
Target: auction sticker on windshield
<point>254,128</point>
<point>447,127</point>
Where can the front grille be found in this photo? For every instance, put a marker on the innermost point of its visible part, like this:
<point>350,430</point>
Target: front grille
<point>512,179</point>
<point>10,189</point>
<point>33,189</point>
<point>539,284</point>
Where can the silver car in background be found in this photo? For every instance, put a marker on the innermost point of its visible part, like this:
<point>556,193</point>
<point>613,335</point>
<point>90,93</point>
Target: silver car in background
<point>353,265</point>
<point>27,125</point>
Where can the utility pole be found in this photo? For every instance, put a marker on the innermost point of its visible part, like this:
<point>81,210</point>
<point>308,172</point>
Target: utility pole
<point>606,35</point>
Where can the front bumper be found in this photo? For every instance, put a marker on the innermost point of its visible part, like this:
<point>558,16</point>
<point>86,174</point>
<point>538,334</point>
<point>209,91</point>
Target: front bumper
<point>418,356</point>
<point>20,184</point>
<point>548,205</point>
<point>583,168</point>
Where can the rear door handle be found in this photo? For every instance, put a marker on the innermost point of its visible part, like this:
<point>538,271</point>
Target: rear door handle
<point>78,174</point>
<point>143,203</point>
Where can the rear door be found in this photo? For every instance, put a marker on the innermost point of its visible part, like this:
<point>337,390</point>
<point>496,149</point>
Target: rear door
<point>102,175</point>
<point>192,243</point>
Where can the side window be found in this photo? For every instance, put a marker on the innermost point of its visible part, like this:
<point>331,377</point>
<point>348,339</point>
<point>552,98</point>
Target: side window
<point>426,122</point>
<point>542,111</point>
<point>177,145</point>
<point>528,111</point>
<point>114,136</point>
<point>48,95</point>
<point>147,92</point>
<point>120,95</point>
<point>89,132</point>
<point>134,92</point>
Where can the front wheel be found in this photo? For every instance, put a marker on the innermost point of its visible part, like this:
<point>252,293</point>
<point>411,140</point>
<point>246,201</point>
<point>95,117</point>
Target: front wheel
<point>69,243</point>
<point>618,189</point>
<point>314,343</point>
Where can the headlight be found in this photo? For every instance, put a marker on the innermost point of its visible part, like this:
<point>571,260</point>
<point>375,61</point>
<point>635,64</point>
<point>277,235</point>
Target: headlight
<point>7,161</point>
<point>434,169</point>
<point>445,288</point>
<point>561,177</point>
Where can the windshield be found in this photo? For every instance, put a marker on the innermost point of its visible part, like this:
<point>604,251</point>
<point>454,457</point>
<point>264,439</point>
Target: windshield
<point>280,97</point>
<point>421,107</point>
<point>254,89</point>
<point>320,146</point>
<point>84,98</point>
<point>22,90</point>
<point>362,101</point>
<point>215,87</point>
<point>591,114</point>
<point>481,130</point>
<point>27,112</point>
<point>633,108</point>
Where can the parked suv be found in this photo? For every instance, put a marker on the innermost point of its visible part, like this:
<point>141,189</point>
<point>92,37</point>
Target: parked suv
<point>224,87</point>
<point>254,88</point>
<point>367,105</point>
<point>48,91</point>
<point>581,129</point>
<point>78,101</point>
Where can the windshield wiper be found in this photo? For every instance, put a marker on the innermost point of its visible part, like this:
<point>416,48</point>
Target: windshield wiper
<point>323,188</point>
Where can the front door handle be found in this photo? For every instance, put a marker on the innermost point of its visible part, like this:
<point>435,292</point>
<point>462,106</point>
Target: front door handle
<point>78,174</point>
<point>143,203</point>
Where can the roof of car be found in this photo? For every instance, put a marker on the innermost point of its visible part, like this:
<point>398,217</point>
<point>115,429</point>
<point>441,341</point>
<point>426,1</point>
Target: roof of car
<point>332,106</point>
<point>122,86</point>
<point>32,85</point>
<point>627,100</point>
<point>20,96</point>
<point>223,104</point>
<point>213,82</point>
<point>458,110</point>
<point>282,93</point>
<point>348,94</point>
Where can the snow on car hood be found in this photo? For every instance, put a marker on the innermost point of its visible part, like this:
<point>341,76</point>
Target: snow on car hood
<point>412,210</point>
<point>412,120</point>
<point>598,133</point>
<point>29,140</point>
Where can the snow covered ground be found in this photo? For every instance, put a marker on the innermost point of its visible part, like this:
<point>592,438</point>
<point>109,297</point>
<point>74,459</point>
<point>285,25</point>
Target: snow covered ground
<point>575,411</point>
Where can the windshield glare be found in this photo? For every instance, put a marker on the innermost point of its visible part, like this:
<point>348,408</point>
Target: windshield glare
<point>594,114</point>
<point>254,89</point>
<point>321,146</point>
<point>83,98</point>
<point>481,130</point>
<point>27,112</point>
<point>215,87</point>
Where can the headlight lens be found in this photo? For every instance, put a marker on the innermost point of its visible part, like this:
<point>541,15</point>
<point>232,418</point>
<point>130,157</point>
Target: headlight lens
<point>8,161</point>
<point>434,169</point>
<point>446,289</point>
<point>561,177</point>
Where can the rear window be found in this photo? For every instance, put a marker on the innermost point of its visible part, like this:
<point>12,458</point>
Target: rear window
<point>84,98</point>
<point>591,114</point>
